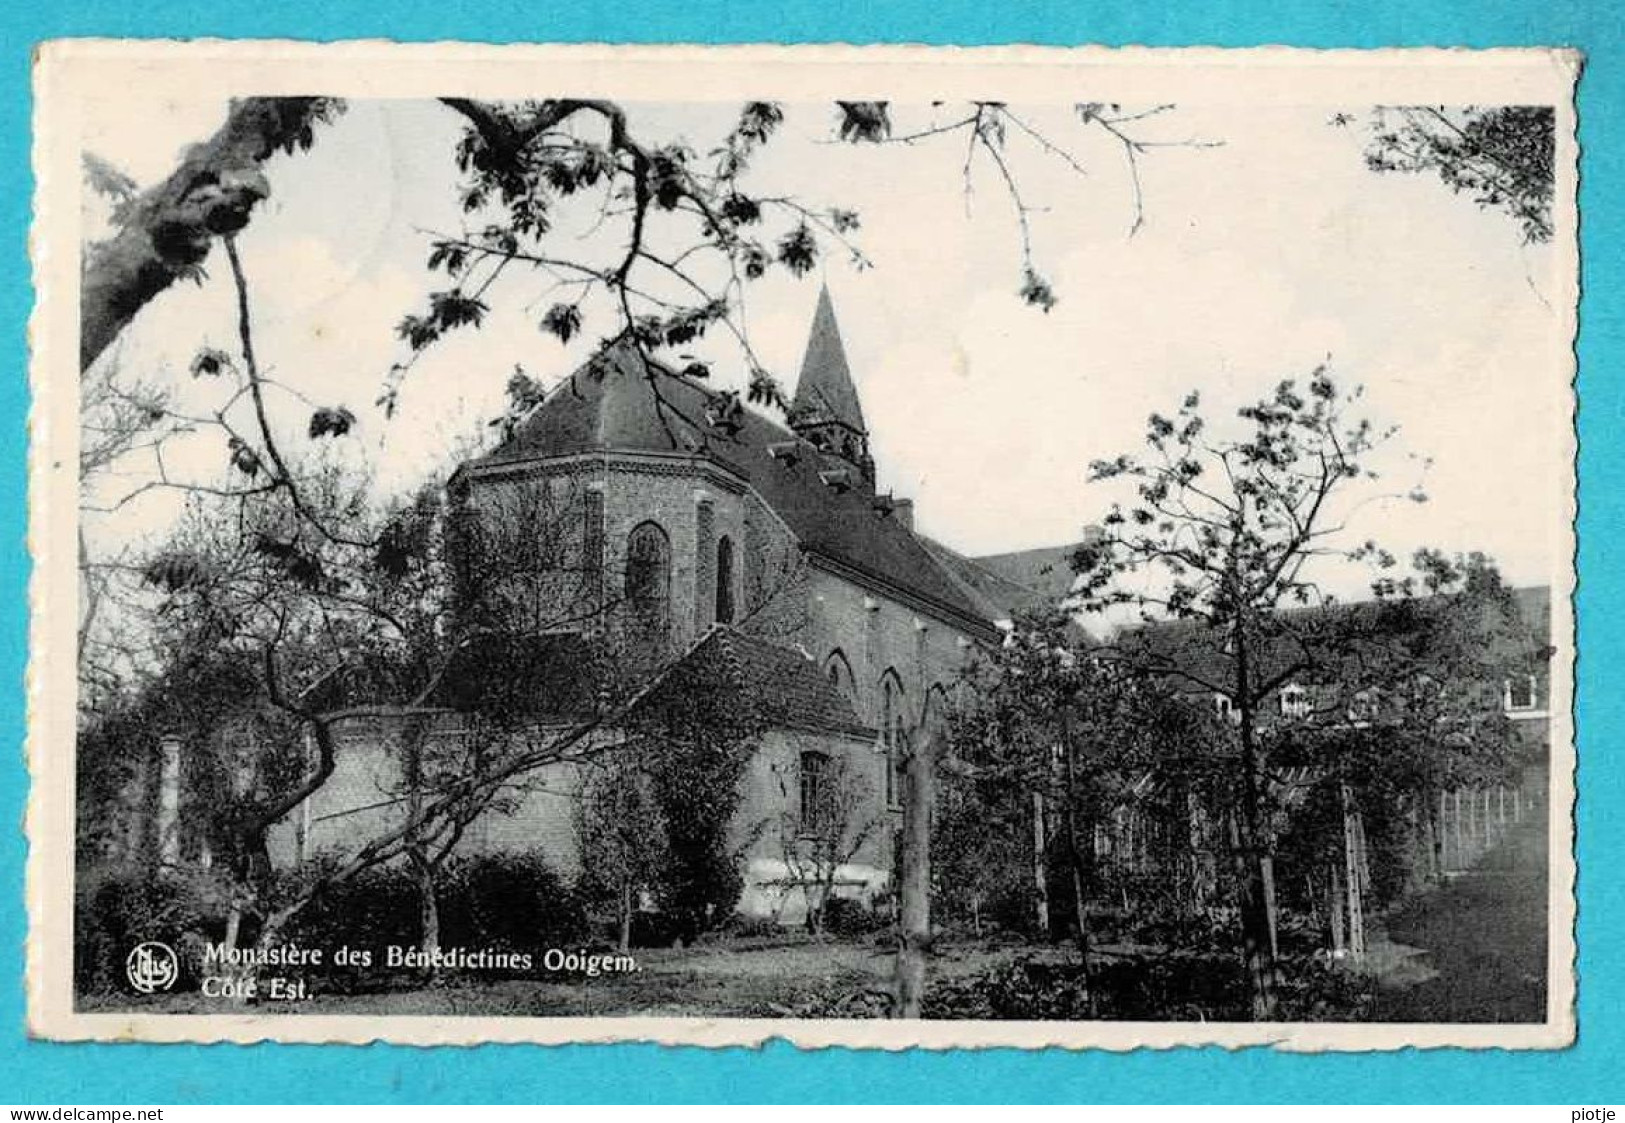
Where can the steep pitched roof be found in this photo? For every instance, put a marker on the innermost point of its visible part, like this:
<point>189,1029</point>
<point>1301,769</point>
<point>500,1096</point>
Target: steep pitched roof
<point>825,391</point>
<point>1048,570</point>
<point>627,405</point>
<point>1004,597</point>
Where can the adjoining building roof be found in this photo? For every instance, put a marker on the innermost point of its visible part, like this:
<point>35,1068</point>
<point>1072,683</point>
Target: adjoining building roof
<point>1194,652</point>
<point>1005,598</point>
<point>1047,570</point>
<point>553,674</point>
<point>825,391</point>
<point>626,405</point>
<point>559,677</point>
<point>776,686</point>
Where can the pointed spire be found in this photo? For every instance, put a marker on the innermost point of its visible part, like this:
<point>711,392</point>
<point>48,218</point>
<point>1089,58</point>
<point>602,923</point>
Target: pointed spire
<point>824,392</point>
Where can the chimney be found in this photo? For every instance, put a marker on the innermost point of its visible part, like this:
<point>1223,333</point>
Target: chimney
<point>903,511</point>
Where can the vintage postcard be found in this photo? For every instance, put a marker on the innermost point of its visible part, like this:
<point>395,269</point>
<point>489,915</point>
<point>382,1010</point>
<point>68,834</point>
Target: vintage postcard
<point>872,546</point>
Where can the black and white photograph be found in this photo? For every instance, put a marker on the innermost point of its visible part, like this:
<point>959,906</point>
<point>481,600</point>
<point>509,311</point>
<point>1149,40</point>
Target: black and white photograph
<point>584,544</point>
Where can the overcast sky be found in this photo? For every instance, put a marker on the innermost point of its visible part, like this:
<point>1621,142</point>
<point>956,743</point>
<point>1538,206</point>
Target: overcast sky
<point>1262,255</point>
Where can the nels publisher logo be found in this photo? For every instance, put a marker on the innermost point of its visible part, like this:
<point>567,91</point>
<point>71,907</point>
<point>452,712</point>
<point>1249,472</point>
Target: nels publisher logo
<point>152,967</point>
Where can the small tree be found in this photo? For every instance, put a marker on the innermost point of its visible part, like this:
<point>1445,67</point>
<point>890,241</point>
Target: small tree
<point>983,851</point>
<point>1056,718</point>
<point>1221,539</point>
<point>1413,708</point>
<point>622,835</point>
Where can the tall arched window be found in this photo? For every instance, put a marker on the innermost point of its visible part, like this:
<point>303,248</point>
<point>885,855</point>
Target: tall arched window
<point>935,719</point>
<point>893,734</point>
<point>725,580</point>
<point>648,577</point>
<point>839,673</point>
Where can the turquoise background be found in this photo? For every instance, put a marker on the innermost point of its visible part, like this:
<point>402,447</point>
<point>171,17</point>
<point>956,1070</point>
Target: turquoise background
<point>34,1072</point>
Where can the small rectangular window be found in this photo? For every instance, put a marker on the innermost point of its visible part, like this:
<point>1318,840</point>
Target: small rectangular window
<point>1294,701</point>
<point>1363,706</point>
<point>1520,692</point>
<point>814,793</point>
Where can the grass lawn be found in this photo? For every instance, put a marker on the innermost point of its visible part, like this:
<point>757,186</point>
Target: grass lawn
<point>1483,940</point>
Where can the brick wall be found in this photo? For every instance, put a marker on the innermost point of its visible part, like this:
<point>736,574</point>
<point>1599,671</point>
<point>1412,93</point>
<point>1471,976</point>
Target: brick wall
<point>878,634</point>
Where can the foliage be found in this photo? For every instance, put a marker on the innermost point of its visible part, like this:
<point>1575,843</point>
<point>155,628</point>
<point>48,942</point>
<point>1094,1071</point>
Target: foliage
<point>1502,157</point>
<point>697,789</point>
<point>373,910</point>
<point>1174,987</point>
<point>620,827</point>
<point>1412,707</point>
<point>827,820</point>
<point>509,901</point>
<point>117,907</point>
<point>501,901</point>
<point>113,742</point>
<point>846,917</point>
<point>695,737</point>
<point>1054,717</point>
<point>1217,554</point>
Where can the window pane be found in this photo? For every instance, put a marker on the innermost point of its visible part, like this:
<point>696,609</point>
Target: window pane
<point>725,581</point>
<point>648,576</point>
<point>814,769</point>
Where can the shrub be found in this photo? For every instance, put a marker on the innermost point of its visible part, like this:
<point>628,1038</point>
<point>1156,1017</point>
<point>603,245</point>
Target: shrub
<point>656,929</point>
<point>1022,990</point>
<point>1179,987</point>
<point>741,927</point>
<point>846,916</point>
<point>116,909</point>
<point>508,902</point>
<point>501,902</point>
<point>373,909</point>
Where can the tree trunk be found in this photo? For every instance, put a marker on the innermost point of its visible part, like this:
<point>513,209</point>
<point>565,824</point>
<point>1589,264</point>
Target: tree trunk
<point>914,941</point>
<point>1080,905</point>
<point>428,906</point>
<point>1435,840</point>
<point>1353,875</point>
<point>1271,911</point>
<point>1255,874</point>
<point>1075,856</point>
<point>1040,857</point>
<point>1257,890</point>
<point>412,744</point>
<point>815,912</point>
<point>234,926</point>
<point>626,916</point>
<point>1334,910</point>
<point>168,230</point>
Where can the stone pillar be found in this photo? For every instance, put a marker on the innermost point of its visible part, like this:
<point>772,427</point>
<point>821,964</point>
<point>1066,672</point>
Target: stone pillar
<point>169,800</point>
<point>921,680</point>
<point>872,670</point>
<point>752,563</point>
<point>592,545</point>
<point>705,561</point>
